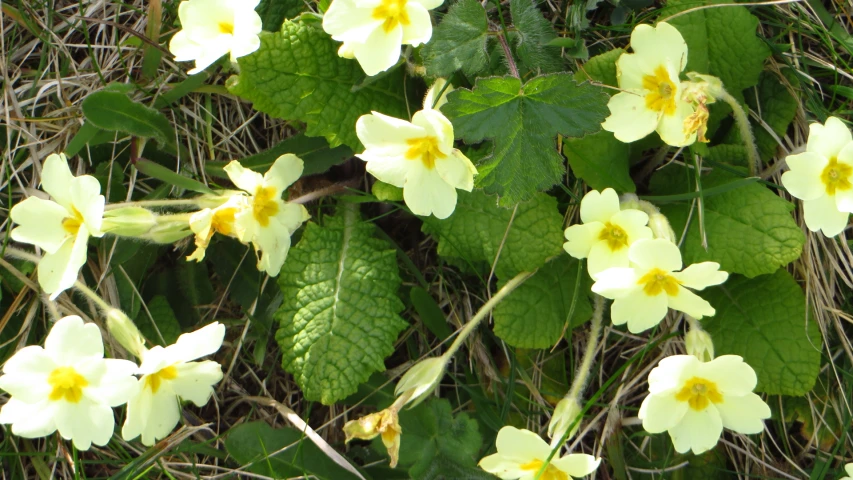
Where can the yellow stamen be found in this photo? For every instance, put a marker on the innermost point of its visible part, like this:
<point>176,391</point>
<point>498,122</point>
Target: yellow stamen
<point>393,12</point>
<point>67,384</point>
<point>615,236</point>
<point>424,149</point>
<point>661,96</point>
<point>226,28</point>
<point>656,281</point>
<point>264,205</point>
<point>551,472</point>
<point>836,176</point>
<point>698,393</point>
<point>72,224</point>
<point>223,220</point>
<point>154,380</point>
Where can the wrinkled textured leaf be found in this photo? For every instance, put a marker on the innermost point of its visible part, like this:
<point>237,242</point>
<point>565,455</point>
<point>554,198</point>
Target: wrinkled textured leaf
<point>340,314</point>
<point>536,314</point>
<point>601,161</point>
<point>764,320</point>
<point>476,229</point>
<point>459,42</point>
<point>297,75</point>
<point>523,121</point>
<point>749,229</point>
<point>531,40</point>
<point>274,12</point>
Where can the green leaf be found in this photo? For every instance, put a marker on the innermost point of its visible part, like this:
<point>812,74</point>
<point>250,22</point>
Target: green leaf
<point>601,68</point>
<point>193,280</point>
<point>523,121</point>
<point>550,303</point>
<point>340,315</point>
<point>601,161</point>
<point>749,229</point>
<point>430,313</point>
<point>273,12</point>
<point>167,328</point>
<point>476,229</point>
<point>155,170</point>
<point>297,75</point>
<point>431,430</point>
<point>115,112</point>
<point>459,41</point>
<point>764,320</point>
<point>442,467</point>
<point>256,443</point>
<point>534,33</point>
<point>721,41</point>
<point>314,151</point>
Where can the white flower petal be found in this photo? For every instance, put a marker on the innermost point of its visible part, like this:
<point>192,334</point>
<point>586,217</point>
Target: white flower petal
<point>29,420</point>
<point>803,179</point>
<point>701,275</point>
<point>380,50</point>
<point>744,414</point>
<point>663,42</point>
<point>273,241</point>
<point>194,381</point>
<point>284,172</point>
<point>822,214</point>
<point>581,238</point>
<point>87,199</point>
<point>577,465</point>
<point>428,4</point>
<point>39,223</point>
<point>630,119</point>
<point>200,343</point>
<point>117,385</point>
<point>457,170</point>
<point>671,127</point>
<point>183,47</point>
<point>599,207</point>
<point>844,200</point>
<point>25,387</point>
<point>671,373</point>
<point>633,222</point>
<point>244,178</point>
<point>426,193</point>
<point>630,70</point>
<point>690,303</point>
<point>84,422</point>
<point>56,178</point>
<point>435,124</point>
<point>730,373</point>
<point>58,271</point>
<point>656,253</point>
<point>698,431</point>
<point>292,216</point>
<point>660,413</point>
<point>419,30</point>
<point>601,258</point>
<point>384,135</point>
<point>502,467</point>
<point>615,283</point>
<point>392,170</point>
<point>71,341</point>
<point>30,360</point>
<point>345,21</point>
<point>159,413</point>
<point>640,311</point>
<point>521,445</point>
<point>828,140</point>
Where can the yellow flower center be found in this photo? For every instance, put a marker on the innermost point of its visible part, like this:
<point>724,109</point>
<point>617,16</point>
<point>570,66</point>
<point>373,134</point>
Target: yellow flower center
<point>551,472</point>
<point>226,28</point>
<point>614,235</point>
<point>264,205</point>
<point>154,380</point>
<point>67,384</point>
<point>72,224</point>
<point>661,91</point>
<point>836,176</point>
<point>393,12</point>
<point>656,281</point>
<point>425,149</point>
<point>223,220</point>
<point>698,393</point>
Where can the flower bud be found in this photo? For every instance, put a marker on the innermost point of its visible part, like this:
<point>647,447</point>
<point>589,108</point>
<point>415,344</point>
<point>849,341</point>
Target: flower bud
<point>128,221</point>
<point>430,102</point>
<point>385,423</point>
<point>125,332</point>
<point>565,414</point>
<point>661,228</point>
<point>169,232</point>
<point>707,86</point>
<point>699,344</point>
<point>421,379</point>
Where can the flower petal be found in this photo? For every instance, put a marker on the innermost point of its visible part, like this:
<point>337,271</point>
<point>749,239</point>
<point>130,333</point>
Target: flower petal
<point>457,170</point>
<point>200,343</point>
<point>690,303</point>
<point>581,238</point>
<point>58,271</point>
<point>697,431</point>
<point>744,414</point>
<point>345,21</point>
<point>630,119</point>
<point>419,29</point>
<point>39,223</point>
<point>284,172</point>
<point>87,199</point>
<point>71,341</point>
<point>194,381</point>
<point>730,373</point>
<point>292,216</point>
<point>663,42</point>
<point>577,465</point>
<point>615,283</point>
<point>599,207</point>
<point>822,214</point>
<point>29,420</point>
<point>426,193</point>
<point>701,275</point>
<point>85,423</point>
<point>244,178</point>
<point>502,467</point>
<point>803,179</point>
<point>601,258</point>
<point>639,310</point>
<point>163,414</point>
<point>384,135</point>
<point>273,241</point>
<point>380,50</point>
<point>671,373</point>
<point>56,178</point>
<point>117,384</point>
<point>671,127</point>
<point>389,169</point>
<point>521,445</point>
<point>656,253</point>
<point>660,413</point>
<point>828,140</point>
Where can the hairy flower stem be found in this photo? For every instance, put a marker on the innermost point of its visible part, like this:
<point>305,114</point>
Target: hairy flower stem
<point>154,204</point>
<point>469,327</point>
<point>745,129</point>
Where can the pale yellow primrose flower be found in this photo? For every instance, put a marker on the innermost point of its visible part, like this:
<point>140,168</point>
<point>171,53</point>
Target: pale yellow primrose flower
<point>651,99</point>
<point>374,30</point>
<point>643,292</point>
<point>212,28</point>
<point>606,233</point>
<point>206,222</point>
<point>60,227</point>
<point>521,453</point>
<point>694,401</point>
<point>417,156</point>
<point>170,375</point>
<point>822,177</point>
<point>68,386</point>
<point>385,424</point>
<point>848,469</point>
<point>269,221</point>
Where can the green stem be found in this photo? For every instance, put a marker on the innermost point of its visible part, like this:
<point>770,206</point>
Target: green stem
<point>745,129</point>
<point>106,307</point>
<point>511,285</point>
<point>21,254</point>
<point>153,204</point>
<point>585,368</point>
